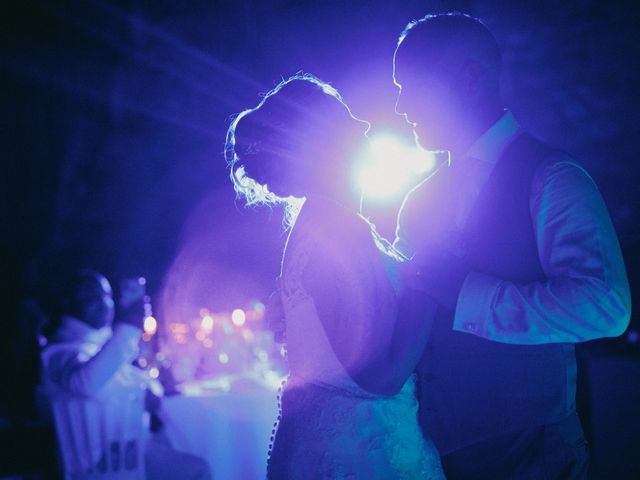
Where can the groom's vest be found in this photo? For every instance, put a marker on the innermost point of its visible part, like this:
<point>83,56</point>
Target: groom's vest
<point>471,389</point>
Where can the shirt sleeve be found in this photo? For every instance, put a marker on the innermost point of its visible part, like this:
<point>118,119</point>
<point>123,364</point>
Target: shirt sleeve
<point>77,373</point>
<point>586,294</point>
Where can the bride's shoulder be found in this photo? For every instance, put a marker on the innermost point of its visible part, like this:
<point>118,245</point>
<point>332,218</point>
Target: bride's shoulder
<point>329,231</point>
<point>334,218</point>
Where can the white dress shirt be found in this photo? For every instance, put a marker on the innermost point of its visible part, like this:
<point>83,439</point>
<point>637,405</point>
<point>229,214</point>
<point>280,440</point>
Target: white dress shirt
<point>586,294</point>
<point>84,361</point>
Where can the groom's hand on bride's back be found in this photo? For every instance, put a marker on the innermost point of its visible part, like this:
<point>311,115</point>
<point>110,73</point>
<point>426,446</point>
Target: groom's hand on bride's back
<point>439,273</point>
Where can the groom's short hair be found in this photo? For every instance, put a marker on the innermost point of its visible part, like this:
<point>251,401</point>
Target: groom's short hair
<point>446,38</point>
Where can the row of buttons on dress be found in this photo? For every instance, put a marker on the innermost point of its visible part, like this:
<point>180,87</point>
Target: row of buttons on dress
<point>276,423</point>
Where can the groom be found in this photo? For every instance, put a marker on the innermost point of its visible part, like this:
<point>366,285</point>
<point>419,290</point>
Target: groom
<point>514,243</point>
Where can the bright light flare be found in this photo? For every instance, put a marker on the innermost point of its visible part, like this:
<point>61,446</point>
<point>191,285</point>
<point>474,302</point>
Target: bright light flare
<point>238,317</point>
<point>390,166</point>
<point>259,307</point>
<point>207,323</point>
<point>150,325</point>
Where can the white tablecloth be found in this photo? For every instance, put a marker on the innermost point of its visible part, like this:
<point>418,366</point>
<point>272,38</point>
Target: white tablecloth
<point>231,431</point>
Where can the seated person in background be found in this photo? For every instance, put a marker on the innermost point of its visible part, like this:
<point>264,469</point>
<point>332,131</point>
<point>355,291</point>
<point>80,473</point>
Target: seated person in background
<point>98,396</point>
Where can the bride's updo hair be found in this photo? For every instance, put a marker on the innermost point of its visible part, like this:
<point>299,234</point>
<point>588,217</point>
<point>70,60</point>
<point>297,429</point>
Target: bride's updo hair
<point>275,149</point>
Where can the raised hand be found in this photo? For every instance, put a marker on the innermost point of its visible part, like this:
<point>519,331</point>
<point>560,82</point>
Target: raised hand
<point>130,305</point>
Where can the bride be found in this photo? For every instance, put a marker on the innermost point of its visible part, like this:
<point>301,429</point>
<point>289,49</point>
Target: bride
<point>348,408</point>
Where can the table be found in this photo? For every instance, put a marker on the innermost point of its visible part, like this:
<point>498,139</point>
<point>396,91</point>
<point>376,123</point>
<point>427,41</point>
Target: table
<point>231,430</point>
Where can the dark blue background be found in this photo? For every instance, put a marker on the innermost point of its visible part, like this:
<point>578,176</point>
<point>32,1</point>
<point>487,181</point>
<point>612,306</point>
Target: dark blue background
<point>113,116</point>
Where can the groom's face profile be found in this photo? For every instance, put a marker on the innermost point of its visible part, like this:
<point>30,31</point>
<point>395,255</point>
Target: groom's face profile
<point>447,70</point>
<point>429,99</point>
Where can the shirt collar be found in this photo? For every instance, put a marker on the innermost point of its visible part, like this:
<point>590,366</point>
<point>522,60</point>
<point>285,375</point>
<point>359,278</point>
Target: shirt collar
<point>490,146</point>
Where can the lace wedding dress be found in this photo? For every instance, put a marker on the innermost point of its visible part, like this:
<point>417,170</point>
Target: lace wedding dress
<point>329,427</point>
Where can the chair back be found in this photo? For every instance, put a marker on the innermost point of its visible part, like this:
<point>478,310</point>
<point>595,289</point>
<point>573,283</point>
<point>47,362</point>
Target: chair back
<point>100,439</point>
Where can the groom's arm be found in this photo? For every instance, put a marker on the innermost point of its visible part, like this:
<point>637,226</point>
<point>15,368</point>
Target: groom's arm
<point>586,294</point>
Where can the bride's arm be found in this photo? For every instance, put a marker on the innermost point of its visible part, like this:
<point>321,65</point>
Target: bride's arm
<point>378,344</point>
<point>416,311</point>
<point>387,372</point>
<point>355,308</point>
<point>415,315</point>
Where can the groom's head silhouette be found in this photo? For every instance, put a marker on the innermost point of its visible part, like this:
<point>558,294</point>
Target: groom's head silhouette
<point>447,68</point>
